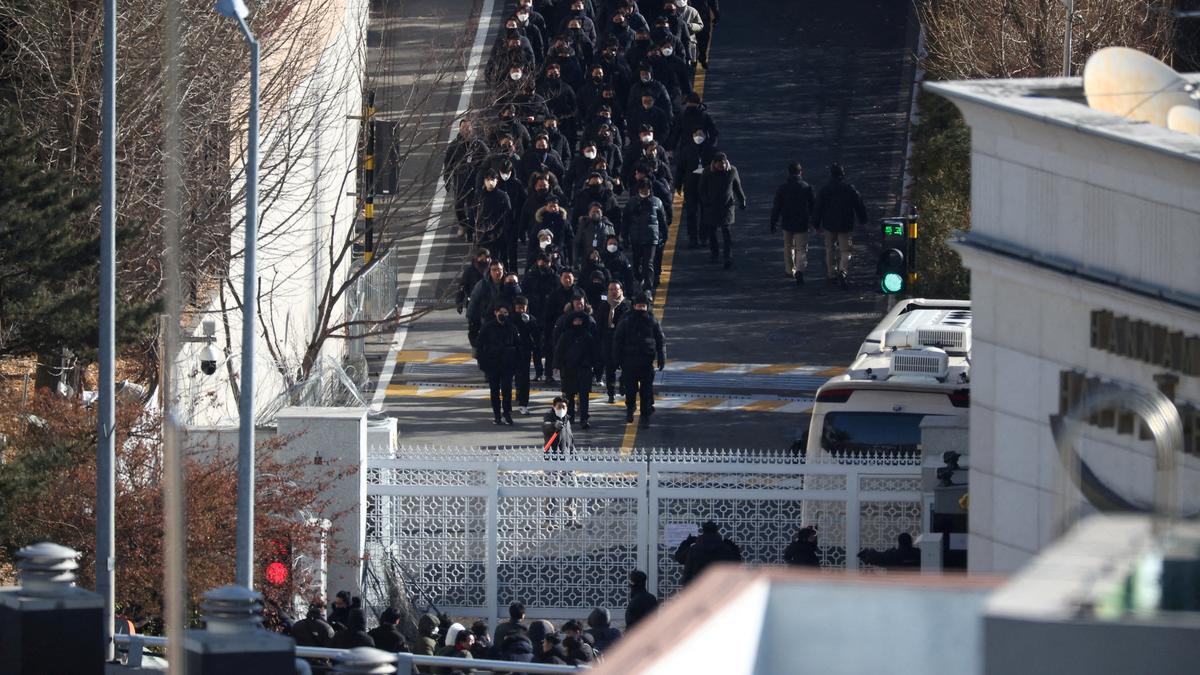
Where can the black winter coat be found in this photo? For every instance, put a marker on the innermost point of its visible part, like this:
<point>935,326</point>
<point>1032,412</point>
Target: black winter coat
<point>638,341</point>
<point>839,207</point>
<point>498,347</point>
<point>793,207</point>
<point>530,332</point>
<point>645,220</point>
<point>697,553</point>
<point>388,638</point>
<point>538,283</point>
<point>565,441</point>
<point>641,604</point>
<point>720,191</point>
<point>495,214</point>
<point>802,554</point>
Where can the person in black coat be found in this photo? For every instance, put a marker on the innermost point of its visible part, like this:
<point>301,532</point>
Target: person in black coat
<point>495,214</point>
<point>637,343</point>
<point>473,273</point>
<point>642,602</point>
<point>697,553</point>
<point>555,308</point>
<point>515,647</point>
<point>497,350</point>
<point>691,158</point>
<point>313,630</point>
<point>575,356</point>
<point>793,207</point>
<point>838,208</point>
<point>694,116</point>
<point>720,189</point>
<point>355,632</point>
<point>530,346</point>
<point>600,629</point>
<point>539,282</point>
<point>608,314</point>
<point>552,650</point>
<point>803,551</point>
<point>618,265</point>
<point>904,555</point>
<point>387,635</point>
<point>460,169</point>
<point>645,220</point>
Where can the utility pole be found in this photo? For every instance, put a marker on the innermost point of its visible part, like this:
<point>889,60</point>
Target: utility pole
<point>1068,36</point>
<point>106,541</point>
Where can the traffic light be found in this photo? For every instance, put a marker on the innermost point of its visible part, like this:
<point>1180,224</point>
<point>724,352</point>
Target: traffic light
<point>277,563</point>
<point>893,266</point>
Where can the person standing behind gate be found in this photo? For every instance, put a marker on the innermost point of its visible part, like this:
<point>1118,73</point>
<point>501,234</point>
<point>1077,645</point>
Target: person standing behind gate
<point>497,352</point>
<point>720,188</point>
<point>793,209</point>
<point>638,342</point>
<point>557,439</point>
<point>642,602</point>
<point>839,207</point>
<point>697,553</point>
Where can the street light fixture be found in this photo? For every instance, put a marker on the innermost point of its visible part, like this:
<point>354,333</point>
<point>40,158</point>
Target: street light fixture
<point>236,9</point>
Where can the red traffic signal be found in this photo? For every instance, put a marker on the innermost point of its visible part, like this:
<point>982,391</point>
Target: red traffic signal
<point>277,567</point>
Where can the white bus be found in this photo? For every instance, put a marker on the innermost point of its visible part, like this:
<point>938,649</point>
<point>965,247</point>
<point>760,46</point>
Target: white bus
<point>915,363</point>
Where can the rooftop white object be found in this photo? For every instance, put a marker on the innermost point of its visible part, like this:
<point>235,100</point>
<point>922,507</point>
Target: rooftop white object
<point>1133,84</point>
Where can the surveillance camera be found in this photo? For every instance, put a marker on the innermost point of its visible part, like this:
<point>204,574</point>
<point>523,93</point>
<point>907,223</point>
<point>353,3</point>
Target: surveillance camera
<point>208,360</point>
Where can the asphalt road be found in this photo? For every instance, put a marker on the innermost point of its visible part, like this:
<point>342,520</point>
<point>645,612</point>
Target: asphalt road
<point>807,82</point>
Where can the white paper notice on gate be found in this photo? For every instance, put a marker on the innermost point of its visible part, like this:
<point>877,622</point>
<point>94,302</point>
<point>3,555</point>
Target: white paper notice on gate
<point>676,532</point>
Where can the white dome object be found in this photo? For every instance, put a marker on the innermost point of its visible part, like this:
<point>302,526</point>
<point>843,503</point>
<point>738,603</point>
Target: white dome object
<point>1185,119</point>
<point>1132,84</point>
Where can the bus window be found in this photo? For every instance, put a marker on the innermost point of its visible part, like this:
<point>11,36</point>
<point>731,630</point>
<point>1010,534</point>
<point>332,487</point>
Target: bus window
<point>857,432</point>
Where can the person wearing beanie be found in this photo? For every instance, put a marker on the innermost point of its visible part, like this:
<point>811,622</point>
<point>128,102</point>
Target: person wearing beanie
<point>642,602</point>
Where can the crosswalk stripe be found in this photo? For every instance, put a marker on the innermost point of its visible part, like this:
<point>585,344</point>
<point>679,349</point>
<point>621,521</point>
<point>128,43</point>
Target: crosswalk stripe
<point>702,404</point>
<point>454,359</point>
<point>764,406</point>
<point>712,367</point>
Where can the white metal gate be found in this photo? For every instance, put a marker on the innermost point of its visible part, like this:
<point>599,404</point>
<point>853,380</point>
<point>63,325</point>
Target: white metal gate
<point>470,530</point>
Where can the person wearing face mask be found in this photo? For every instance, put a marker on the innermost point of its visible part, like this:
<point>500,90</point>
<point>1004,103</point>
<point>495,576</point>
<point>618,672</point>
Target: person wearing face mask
<point>619,31</point>
<point>612,58</point>
<point>472,274</point>
<point>609,313</point>
<point>647,169</point>
<point>575,357</point>
<point>672,71</point>
<point>597,282</point>
<point>609,151</point>
<point>589,95</point>
<point>515,57</point>
<point>597,190</point>
<point>509,290</point>
<point>557,438</point>
<point>638,50</point>
<point>838,208</point>
<point>493,220</point>
<point>647,123</point>
<point>497,353</point>
<point>529,347</point>
<point>485,294</point>
<point>539,194</point>
<point>549,226</point>
<point>710,13</point>
<point>690,160</point>
<point>591,232</point>
<point>581,165</point>
<point>558,142</point>
<point>539,281</point>
<point>720,189</point>
<point>618,265</point>
<point>515,189</point>
<point>463,162</point>
<point>637,343</point>
<point>694,116</point>
<point>693,25</point>
<point>645,220</point>
<point>793,207</point>
<point>530,37</point>
<point>531,18</point>
<point>541,155</point>
<point>578,20</point>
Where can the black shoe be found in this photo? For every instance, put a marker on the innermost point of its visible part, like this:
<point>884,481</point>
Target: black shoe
<point>611,398</point>
<point>508,419</point>
<point>584,425</point>
<point>645,422</point>
<point>629,415</point>
<point>728,263</point>
<point>799,278</point>
<point>497,421</point>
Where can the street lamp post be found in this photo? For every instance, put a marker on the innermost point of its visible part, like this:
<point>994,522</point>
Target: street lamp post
<point>106,421</point>
<point>236,9</point>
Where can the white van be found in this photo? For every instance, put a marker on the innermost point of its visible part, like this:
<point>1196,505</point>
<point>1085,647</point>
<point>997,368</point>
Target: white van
<point>915,363</point>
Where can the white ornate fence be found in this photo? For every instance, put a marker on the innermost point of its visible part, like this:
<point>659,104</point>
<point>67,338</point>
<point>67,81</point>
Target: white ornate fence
<point>469,530</point>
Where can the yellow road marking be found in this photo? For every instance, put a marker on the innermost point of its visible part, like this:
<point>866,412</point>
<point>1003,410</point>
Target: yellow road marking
<point>830,372</point>
<point>706,367</point>
<point>454,359</point>
<point>401,390</point>
<point>764,406</point>
<point>702,403</point>
<point>446,392</point>
<point>411,356</point>
<point>777,369</point>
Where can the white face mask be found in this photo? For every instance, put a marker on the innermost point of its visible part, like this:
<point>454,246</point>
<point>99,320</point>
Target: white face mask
<point>698,138</point>
<point>489,184</point>
<point>505,176</point>
<point>612,248</point>
<point>681,3</point>
<point>515,76</point>
<point>646,138</point>
<point>590,154</point>
<point>523,17</point>
<point>543,243</point>
<point>667,51</point>
<point>560,413</point>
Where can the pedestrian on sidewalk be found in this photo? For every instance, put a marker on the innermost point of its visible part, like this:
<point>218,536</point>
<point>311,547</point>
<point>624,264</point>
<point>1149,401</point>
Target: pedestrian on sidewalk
<point>608,316</point>
<point>637,344</point>
<point>793,209</point>
<point>486,293</point>
<point>644,218</point>
<point>720,189</point>
<point>575,356</point>
<point>838,209</point>
<point>497,353</point>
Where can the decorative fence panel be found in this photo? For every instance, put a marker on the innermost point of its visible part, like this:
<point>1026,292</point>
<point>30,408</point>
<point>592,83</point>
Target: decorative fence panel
<point>470,530</point>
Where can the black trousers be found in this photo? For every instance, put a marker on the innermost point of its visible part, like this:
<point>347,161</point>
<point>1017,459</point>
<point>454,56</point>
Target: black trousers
<point>710,233</point>
<point>548,350</point>
<point>581,390</point>
<point>521,380</point>
<point>691,206</point>
<point>500,383</point>
<point>703,39</point>
<point>643,264</point>
<point>638,381</point>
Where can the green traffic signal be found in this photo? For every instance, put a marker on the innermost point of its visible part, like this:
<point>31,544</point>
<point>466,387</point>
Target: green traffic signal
<point>892,282</point>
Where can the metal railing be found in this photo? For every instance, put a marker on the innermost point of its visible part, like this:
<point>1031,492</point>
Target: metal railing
<point>404,662</point>
<point>374,297</point>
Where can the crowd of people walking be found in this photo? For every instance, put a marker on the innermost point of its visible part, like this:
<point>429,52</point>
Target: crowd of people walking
<point>564,183</point>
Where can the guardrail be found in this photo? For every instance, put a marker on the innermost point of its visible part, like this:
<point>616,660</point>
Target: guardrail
<point>404,662</point>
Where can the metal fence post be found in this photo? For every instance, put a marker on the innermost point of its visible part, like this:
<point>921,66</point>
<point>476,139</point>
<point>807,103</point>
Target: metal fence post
<point>492,589</point>
<point>853,517</point>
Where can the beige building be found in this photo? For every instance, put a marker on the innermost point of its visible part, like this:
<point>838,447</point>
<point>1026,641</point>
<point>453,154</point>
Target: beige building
<point>1085,269</point>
